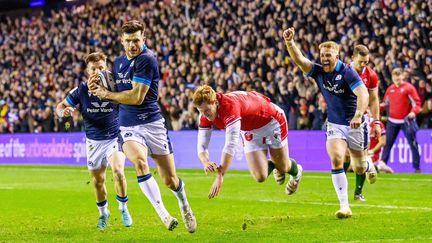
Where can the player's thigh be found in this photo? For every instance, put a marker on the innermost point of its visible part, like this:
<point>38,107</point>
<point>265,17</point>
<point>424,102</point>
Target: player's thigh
<point>117,161</point>
<point>358,139</point>
<point>280,157</point>
<point>336,149</point>
<point>137,154</point>
<point>257,163</point>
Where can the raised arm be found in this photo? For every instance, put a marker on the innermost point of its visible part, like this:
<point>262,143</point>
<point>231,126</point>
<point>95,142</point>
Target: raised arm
<point>302,62</point>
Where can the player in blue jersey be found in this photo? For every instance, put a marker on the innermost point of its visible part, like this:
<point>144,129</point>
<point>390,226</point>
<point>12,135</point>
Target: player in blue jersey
<point>102,129</point>
<point>141,124</point>
<point>347,99</point>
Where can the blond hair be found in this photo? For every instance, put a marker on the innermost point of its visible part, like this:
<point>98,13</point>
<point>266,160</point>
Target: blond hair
<point>396,72</point>
<point>203,94</point>
<point>330,45</point>
<point>361,49</point>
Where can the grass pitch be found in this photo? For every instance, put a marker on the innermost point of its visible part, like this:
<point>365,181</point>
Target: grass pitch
<point>56,203</point>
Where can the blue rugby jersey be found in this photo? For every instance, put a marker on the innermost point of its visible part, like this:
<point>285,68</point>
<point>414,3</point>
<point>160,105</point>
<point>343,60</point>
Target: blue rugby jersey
<point>337,88</point>
<point>142,69</point>
<point>101,120</point>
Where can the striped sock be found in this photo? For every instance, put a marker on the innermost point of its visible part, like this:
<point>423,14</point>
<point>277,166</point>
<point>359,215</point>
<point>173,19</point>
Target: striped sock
<point>151,190</point>
<point>181,195</point>
<point>340,184</point>
<point>102,207</point>
<point>122,201</point>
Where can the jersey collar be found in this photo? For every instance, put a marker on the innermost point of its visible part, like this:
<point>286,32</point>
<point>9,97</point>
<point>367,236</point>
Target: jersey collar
<point>338,65</point>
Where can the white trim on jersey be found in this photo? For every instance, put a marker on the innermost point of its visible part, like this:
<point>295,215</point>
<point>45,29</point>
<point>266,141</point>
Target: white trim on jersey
<point>232,137</point>
<point>204,136</point>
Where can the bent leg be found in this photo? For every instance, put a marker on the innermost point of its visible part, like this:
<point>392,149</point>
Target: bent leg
<point>258,164</point>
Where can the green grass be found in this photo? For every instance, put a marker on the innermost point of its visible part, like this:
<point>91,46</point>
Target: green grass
<point>56,203</point>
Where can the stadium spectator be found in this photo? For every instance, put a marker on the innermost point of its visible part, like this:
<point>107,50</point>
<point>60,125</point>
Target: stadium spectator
<point>202,44</point>
<point>403,104</point>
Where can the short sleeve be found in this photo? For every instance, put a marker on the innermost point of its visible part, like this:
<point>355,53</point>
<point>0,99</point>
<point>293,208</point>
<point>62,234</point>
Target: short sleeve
<point>204,123</point>
<point>352,78</point>
<point>232,113</point>
<point>145,68</point>
<point>373,82</point>
<point>73,97</point>
<point>315,71</point>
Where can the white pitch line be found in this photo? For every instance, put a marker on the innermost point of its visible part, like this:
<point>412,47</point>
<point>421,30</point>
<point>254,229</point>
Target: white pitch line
<point>7,187</point>
<point>353,205</point>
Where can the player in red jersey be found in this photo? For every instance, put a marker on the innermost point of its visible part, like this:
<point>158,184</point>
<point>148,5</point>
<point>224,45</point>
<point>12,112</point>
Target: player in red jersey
<point>403,104</point>
<point>375,146</point>
<point>360,59</point>
<point>262,126</point>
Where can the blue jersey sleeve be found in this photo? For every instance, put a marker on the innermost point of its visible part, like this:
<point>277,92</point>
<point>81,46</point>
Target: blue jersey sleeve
<point>145,69</point>
<point>73,97</point>
<point>352,78</point>
<point>315,71</point>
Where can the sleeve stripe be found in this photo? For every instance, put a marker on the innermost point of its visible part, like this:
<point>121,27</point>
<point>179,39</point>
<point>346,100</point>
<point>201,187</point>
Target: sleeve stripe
<point>69,100</point>
<point>204,128</point>
<point>141,80</point>
<point>360,82</point>
<point>229,124</point>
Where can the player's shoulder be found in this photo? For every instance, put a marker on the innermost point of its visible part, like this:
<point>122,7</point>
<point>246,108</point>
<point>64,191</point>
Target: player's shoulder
<point>79,89</point>
<point>146,56</point>
<point>120,59</point>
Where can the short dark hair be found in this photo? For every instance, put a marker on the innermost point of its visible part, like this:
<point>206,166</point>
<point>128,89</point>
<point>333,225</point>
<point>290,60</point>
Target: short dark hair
<point>132,26</point>
<point>361,49</point>
<point>95,57</point>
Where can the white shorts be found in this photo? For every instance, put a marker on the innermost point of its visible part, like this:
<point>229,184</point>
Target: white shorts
<point>357,139</point>
<point>273,135</point>
<point>98,152</point>
<point>153,135</point>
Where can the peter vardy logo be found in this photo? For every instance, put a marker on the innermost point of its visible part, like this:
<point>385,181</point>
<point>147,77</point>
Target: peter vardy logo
<point>99,107</point>
<point>102,105</point>
<point>333,87</point>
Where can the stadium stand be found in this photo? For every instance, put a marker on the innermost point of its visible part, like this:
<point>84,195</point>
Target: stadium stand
<point>230,45</point>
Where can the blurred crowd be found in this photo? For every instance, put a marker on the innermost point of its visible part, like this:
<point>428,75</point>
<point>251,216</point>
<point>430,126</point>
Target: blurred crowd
<point>230,45</point>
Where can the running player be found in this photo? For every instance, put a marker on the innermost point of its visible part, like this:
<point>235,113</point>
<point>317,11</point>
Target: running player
<point>142,128</point>
<point>101,124</point>
<point>347,100</point>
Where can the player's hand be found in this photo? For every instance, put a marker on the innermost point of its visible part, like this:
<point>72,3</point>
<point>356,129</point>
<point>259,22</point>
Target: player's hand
<point>92,82</point>
<point>355,122</point>
<point>100,92</point>
<point>411,115</point>
<point>68,111</point>
<point>210,167</point>
<point>217,184</point>
<point>376,131</point>
<point>288,35</point>
<point>370,152</point>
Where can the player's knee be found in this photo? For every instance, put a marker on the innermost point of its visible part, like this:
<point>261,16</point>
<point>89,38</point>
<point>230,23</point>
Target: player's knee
<point>359,165</point>
<point>260,177</point>
<point>141,165</point>
<point>99,181</point>
<point>118,174</point>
